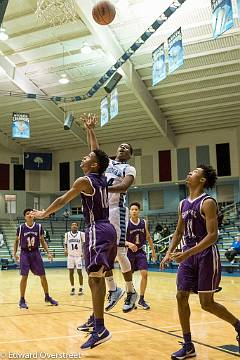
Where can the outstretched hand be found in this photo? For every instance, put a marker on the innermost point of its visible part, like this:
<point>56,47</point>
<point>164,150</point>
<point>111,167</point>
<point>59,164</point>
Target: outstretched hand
<point>37,214</point>
<point>89,121</point>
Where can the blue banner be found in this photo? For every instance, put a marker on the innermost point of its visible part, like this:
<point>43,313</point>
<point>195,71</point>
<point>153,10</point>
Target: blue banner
<point>222,16</point>
<point>37,161</point>
<point>104,111</point>
<point>20,126</point>
<point>238,5</point>
<point>159,71</point>
<point>114,103</point>
<point>175,51</point>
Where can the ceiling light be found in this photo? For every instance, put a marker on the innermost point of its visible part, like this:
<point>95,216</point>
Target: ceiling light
<point>63,79</point>
<point>3,34</point>
<point>86,49</point>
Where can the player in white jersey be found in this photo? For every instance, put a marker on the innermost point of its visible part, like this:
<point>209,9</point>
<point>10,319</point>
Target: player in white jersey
<point>120,176</point>
<point>73,249</point>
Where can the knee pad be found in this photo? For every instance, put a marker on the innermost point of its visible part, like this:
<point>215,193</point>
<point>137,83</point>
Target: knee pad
<point>123,260</point>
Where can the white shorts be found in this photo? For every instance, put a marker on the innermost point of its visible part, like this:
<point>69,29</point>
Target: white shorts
<point>118,217</point>
<point>74,261</point>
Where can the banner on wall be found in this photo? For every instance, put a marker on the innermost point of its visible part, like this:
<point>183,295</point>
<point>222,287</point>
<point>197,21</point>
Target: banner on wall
<point>20,125</point>
<point>222,16</point>
<point>175,51</point>
<point>114,103</point>
<point>37,161</point>
<point>159,71</point>
<point>104,111</point>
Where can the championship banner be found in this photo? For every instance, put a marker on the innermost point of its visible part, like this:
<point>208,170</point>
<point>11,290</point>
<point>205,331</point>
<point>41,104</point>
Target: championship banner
<point>20,125</point>
<point>159,71</point>
<point>175,51</point>
<point>238,5</point>
<point>114,103</point>
<point>104,111</point>
<point>222,16</point>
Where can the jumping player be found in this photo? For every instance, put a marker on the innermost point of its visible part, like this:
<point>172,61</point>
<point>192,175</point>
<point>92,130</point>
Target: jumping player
<point>137,234</point>
<point>29,236</point>
<point>199,270</point>
<point>120,176</point>
<point>73,246</point>
<point>100,246</point>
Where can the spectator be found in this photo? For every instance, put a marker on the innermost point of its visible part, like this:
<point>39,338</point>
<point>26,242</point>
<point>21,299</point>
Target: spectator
<point>1,239</point>
<point>233,250</point>
<point>165,231</point>
<point>157,233</point>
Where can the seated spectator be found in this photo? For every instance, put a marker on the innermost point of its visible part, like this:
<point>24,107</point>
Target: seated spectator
<point>1,239</point>
<point>233,250</point>
<point>157,233</point>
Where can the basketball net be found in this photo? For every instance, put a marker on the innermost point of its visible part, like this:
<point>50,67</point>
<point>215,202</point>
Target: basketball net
<point>56,12</point>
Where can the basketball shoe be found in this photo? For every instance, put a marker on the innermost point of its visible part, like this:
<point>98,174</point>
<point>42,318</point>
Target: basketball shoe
<point>96,338</point>
<point>187,351</point>
<point>142,304</point>
<point>88,326</point>
<point>129,303</point>
<point>80,292</point>
<point>23,304</point>
<point>50,300</point>
<point>72,292</point>
<point>113,298</point>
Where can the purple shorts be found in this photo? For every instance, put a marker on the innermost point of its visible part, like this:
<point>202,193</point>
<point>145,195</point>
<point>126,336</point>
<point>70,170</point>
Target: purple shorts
<point>31,260</point>
<point>100,247</point>
<point>200,272</point>
<point>137,259</point>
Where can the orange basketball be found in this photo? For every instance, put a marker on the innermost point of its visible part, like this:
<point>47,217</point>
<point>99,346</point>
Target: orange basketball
<point>103,12</point>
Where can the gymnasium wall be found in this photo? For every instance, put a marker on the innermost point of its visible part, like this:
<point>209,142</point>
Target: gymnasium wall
<point>189,148</point>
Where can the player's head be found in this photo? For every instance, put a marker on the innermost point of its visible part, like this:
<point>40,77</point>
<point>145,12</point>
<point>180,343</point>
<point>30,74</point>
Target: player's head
<point>134,209</point>
<point>26,213</point>
<point>74,227</point>
<point>203,175</point>
<point>97,161</point>
<point>124,152</point>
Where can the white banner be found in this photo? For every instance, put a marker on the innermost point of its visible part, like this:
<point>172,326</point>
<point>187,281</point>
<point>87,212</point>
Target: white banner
<point>114,103</point>
<point>104,111</point>
<point>159,71</point>
<point>175,51</point>
<point>222,16</point>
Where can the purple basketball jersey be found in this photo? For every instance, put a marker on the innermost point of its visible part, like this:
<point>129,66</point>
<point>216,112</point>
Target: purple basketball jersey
<point>194,221</point>
<point>95,207</point>
<point>30,236</point>
<point>136,233</point>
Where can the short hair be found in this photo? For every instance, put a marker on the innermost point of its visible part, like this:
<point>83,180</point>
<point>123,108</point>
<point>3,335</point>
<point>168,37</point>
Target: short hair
<point>27,210</point>
<point>74,222</point>
<point>210,175</point>
<point>102,159</point>
<point>135,203</point>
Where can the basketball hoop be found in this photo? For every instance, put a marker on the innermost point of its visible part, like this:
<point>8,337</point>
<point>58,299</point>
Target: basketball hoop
<point>56,12</point>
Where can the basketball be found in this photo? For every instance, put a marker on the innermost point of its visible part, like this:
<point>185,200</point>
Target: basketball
<point>103,12</point>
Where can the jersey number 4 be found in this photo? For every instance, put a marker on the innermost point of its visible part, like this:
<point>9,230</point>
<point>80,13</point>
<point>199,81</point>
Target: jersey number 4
<point>74,246</point>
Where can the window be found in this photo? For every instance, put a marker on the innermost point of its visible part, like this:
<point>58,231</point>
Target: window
<point>36,203</point>
<point>10,204</point>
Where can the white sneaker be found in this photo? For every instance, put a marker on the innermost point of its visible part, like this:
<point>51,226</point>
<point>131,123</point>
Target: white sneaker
<point>72,292</point>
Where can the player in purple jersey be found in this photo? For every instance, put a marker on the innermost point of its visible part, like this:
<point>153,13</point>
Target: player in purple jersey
<point>100,236</point>
<point>29,237</point>
<point>199,270</point>
<point>137,234</point>
<point>120,176</point>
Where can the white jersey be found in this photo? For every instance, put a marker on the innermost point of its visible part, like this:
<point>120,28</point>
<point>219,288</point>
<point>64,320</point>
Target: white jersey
<point>74,242</point>
<point>115,173</point>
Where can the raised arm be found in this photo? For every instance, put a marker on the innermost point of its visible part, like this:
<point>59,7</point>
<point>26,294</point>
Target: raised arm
<point>81,184</point>
<point>89,122</point>
<point>123,186</point>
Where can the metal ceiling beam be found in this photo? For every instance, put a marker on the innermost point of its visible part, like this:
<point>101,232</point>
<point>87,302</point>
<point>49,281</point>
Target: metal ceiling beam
<point>23,83</point>
<point>112,47</point>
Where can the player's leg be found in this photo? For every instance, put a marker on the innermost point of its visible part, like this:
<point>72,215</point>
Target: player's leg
<point>24,271</point>
<point>140,263</point>
<point>71,278</point>
<point>80,279</point>
<point>143,285</point>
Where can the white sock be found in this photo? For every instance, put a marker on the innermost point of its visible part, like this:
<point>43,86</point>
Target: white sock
<point>112,286</point>
<point>130,287</point>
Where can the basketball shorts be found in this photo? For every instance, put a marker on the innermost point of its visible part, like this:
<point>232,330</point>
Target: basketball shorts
<point>200,272</point>
<point>74,262</point>
<point>137,259</point>
<point>118,217</point>
<point>31,260</point>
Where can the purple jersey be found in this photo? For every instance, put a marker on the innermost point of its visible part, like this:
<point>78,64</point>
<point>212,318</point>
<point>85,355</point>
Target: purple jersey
<point>194,221</point>
<point>29,236</point>
<point>95,206</point>
<point>136,233</point>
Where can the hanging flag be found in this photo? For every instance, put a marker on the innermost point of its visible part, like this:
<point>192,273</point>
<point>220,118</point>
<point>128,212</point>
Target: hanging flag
<point>114,103</point>
<point>37,161</point>
<point>175,51</point>
<point>222,16</point>
<point>20,125</point>
<point>238,5</point>
<point>104,111</point>
<point>159,71</point>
